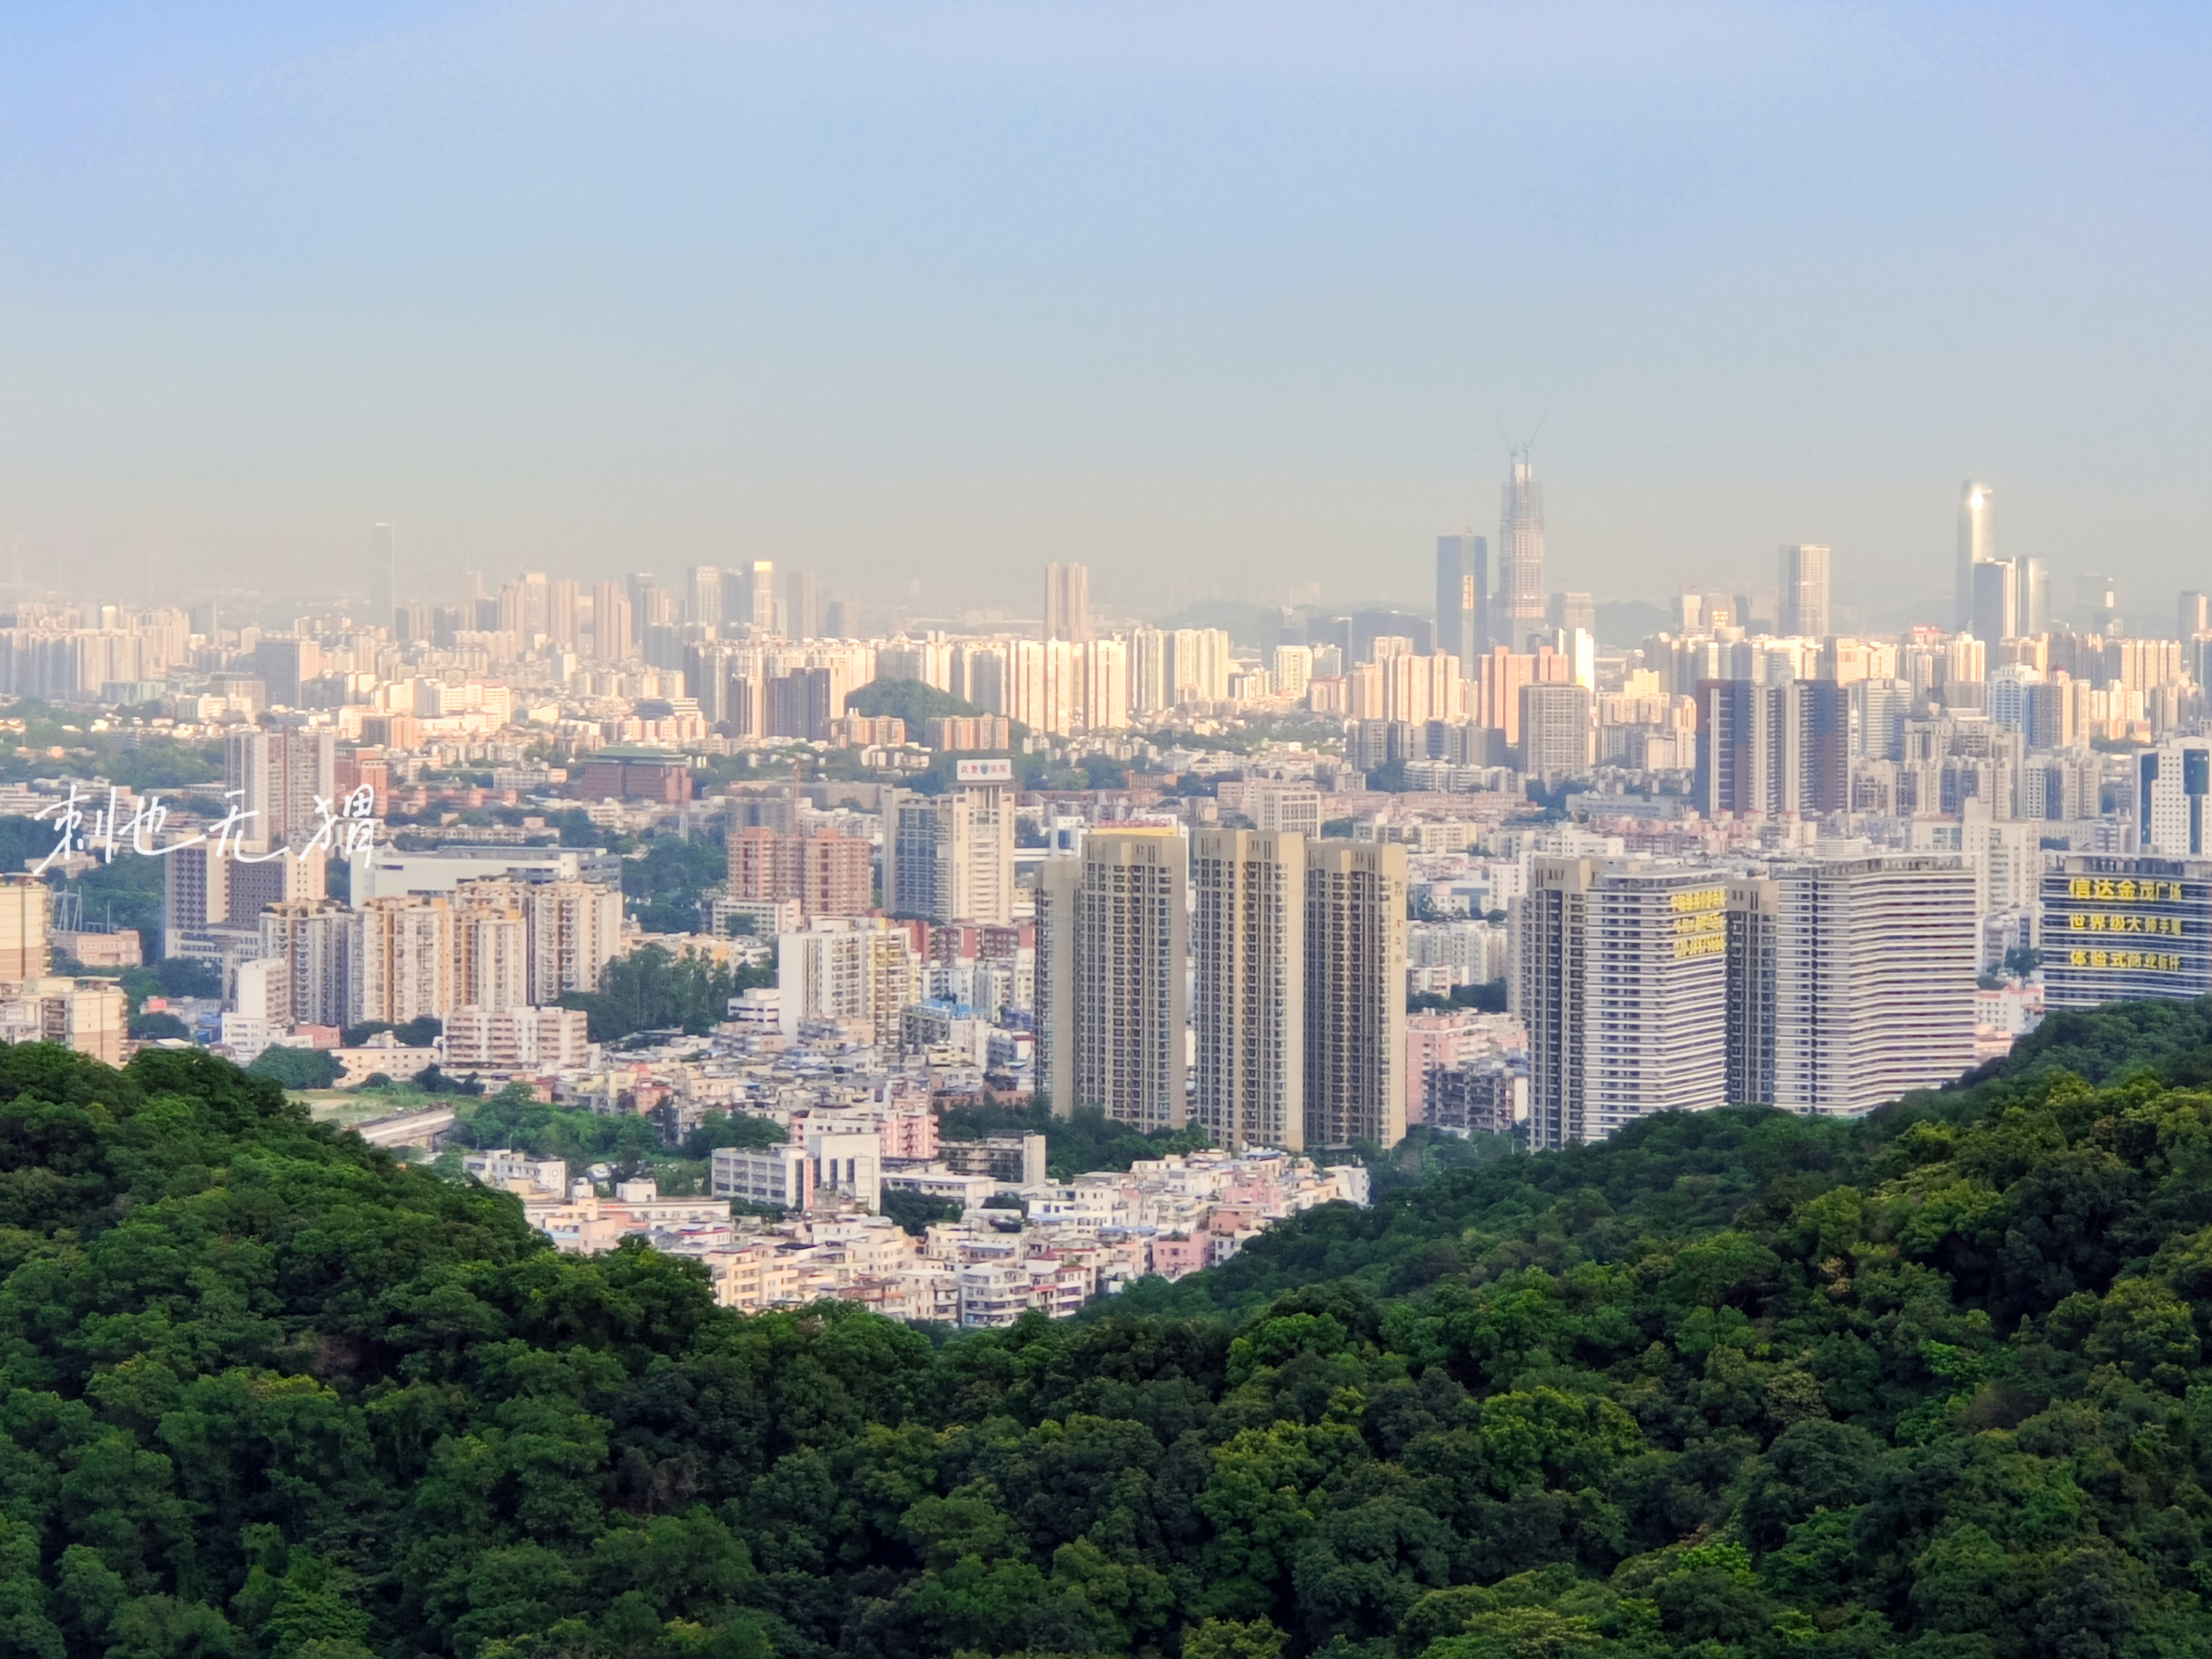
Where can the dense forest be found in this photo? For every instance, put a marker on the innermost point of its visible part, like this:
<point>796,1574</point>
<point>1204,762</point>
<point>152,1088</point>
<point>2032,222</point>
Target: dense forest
<point>1932,1385</point>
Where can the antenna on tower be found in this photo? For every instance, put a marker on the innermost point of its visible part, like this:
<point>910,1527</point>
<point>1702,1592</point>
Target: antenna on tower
<point>1527,443</point>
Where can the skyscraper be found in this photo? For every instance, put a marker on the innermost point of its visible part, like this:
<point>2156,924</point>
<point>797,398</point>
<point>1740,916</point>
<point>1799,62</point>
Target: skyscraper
<point>1248,1012</point>
<point>2196,615</point>
<point>1463,595</point>
<point>1355,982</point>
<point>1620,976</point>
<point>1978,543</point>
<point>1067,602</point>
<point>614,638</point>
<point>707,595</point>
<point>1997,600</point>
<point>383,575</point>
<point>1849,981</point>
<point>762,612</point>
<point>1805,591</point>
<point>1112,1003</point>
<point>802,605</point>
<point>1521,591</point>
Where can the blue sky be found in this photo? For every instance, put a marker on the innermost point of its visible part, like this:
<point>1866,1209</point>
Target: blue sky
<point>1222,298</point>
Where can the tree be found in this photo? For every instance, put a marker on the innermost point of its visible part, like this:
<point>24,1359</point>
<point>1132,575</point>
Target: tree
<point>297,1068</point>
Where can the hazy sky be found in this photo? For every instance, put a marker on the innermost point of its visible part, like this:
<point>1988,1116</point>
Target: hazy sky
<point>1224,298</point>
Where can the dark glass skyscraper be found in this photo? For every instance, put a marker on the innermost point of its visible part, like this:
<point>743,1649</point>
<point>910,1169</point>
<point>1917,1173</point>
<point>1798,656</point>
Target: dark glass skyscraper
<point>1462,596</point>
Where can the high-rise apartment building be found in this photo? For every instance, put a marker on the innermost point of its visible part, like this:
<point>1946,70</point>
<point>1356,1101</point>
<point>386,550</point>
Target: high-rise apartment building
<point>575,931</point>
<point>829,874</point>
<point>1248,993</point>
<point>491,946</point>
<point>2195,615</point>
<point>1771,749</point>
<point>1849,981</point>
<point>1112,1003</point>
<point>1067,603</point>
<point>2124,929</point>
<point>1978,543</point>
<point>847,968</point>
<point>950,857</point>
<point>1462,596</point>
<point>1620,973</point>
<point>1805,591</point>
<point>1557,733</point>
<point>277,774</point>
<point>314,937</point>
<point>403,963</point>
<point>1519,610</point>
<point>1355,976</point>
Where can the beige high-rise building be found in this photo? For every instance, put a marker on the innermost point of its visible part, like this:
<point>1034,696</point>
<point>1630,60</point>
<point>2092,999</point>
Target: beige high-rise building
<point>315,939</point>
<point>492,959</point>
<point>614,635</point>
<point>1355,981</point>
<point>950,857</point>
<point>403,964</point>
<point>1248,993</point>
<point>88,1015</point>
<point>23,928</point>
<point>1114,935</point>
<point>575,931</point>
<point>1067,603</point>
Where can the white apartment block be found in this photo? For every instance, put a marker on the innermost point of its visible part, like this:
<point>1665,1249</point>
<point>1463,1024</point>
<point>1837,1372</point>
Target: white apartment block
<point>1850,982</point>
<point>779,1175</point>
<point>846,967</point>
<point>950,857</point>
<point>517,1040</point>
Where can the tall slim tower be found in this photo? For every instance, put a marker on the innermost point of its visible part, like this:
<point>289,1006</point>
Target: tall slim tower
<point>1805,591</point>
<point>707,594</point>
<point>1521,590</point>
<point>383,583</point>
<point>1978,543</point>
<point>1462,596</point>
<point>1112,1002</point>
<point>1248,1009</point>
<point>1355,979</point>
<point>762,615</point>
<point>1067,603</point>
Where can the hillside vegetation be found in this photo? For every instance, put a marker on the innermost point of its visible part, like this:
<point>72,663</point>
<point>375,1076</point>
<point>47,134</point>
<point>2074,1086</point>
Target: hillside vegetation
<point>1735,1384</point>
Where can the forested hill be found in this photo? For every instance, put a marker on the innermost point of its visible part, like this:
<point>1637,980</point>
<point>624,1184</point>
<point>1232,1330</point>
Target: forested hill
<point>1735,1384</point>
